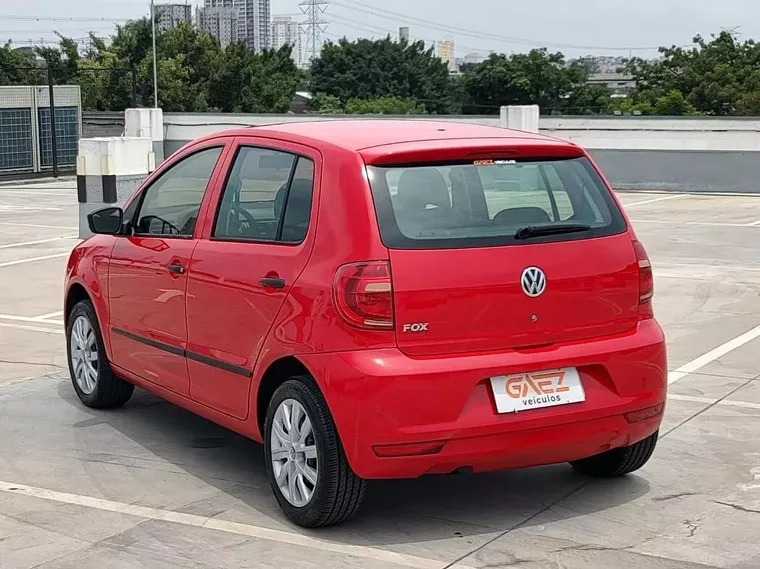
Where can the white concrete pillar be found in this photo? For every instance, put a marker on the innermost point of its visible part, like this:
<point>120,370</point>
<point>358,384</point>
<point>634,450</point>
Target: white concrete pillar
<point>520,117</point>
<point>108,171</point>
<point>146,123</point>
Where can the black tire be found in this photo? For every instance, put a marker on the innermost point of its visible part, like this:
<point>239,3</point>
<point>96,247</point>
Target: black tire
<point>339,492</point>
<point>619,461</point>
<point>110,391</point>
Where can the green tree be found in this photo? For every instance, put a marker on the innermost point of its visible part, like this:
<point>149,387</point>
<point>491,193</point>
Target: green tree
<point>190,58</point>
<point>717,77</point>
<point>62,61</point>
<point>16,66</point>
<point>248,82</point>
<point>673,103</point>
<point>107,81</point>
<point>327,104</point>
<point>538,78</point>
<point>384,106</point>
<point>374,69</point>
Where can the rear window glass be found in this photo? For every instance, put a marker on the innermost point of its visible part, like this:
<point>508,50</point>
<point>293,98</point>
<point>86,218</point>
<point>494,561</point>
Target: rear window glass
<point>488,202</point>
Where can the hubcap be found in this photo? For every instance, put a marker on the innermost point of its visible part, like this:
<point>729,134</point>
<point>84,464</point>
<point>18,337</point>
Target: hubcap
<point>83,351</point>
<point>294,453</point>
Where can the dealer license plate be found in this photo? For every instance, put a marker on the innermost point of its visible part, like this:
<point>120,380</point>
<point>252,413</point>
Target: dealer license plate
<point>526,391</point>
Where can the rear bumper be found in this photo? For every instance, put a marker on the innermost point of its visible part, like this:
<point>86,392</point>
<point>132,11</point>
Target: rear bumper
<point>383,397</point>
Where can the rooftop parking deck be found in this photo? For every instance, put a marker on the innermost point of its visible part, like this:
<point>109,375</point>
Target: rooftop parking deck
<point>153,486</point>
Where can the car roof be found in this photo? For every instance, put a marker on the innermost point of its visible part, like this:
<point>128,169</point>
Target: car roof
<point>359,135</point>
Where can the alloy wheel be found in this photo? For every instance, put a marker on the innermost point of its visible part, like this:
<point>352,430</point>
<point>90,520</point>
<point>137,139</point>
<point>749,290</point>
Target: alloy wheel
<point>294,453</point>
<point>83,351</point>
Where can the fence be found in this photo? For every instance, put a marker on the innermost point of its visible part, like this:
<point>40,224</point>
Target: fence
<point>26,144</point>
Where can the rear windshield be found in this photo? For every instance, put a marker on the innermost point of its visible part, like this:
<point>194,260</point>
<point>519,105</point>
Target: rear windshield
<point>487,203</point>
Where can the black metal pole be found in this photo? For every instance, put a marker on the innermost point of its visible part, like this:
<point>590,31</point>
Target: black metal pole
<point>134,88</point>
<point>53,141</point>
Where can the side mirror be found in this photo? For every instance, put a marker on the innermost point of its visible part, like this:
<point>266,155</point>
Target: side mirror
<point>106,221</point>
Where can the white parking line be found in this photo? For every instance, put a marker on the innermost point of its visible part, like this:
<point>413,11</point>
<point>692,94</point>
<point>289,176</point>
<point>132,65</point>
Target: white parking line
<point>655,200</point>
<point>32,259</point>
<point>62,193</point>
<point>56,331</point>
<point>12,224</point>
<point>708,401</point>
<point>50,315</point>
<point>753,224</point>
<point>705,267</point>
<point>38,242</point>
<point>32,319</point>
<point>713,355</point>
<point>357,551</point>
<point>697,223</point>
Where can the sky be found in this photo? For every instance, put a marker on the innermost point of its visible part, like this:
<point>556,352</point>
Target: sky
<point>574,27</point>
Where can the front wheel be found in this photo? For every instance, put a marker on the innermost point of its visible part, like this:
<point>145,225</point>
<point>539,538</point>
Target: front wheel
<point>618,461</point>
<point>306,464</point>
<point>94,381</point>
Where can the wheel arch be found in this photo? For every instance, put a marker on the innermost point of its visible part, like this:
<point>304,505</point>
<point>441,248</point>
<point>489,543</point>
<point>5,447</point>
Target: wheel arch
<point>75,294</point>
<point>277,373</point>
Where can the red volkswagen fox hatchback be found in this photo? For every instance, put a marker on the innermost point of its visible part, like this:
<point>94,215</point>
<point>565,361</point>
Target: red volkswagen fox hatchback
<point>377,299</point>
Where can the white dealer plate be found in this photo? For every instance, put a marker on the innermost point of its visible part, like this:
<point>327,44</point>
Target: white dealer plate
<point>526,391</point>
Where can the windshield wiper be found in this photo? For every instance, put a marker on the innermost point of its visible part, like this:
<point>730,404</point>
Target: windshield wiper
<point>554,229</point>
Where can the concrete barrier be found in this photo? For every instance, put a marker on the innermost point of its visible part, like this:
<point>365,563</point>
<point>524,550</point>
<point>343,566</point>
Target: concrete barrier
<point>690,154</point>
<point>520,117</point>
<point>108,171</point>
<point>146,123</point>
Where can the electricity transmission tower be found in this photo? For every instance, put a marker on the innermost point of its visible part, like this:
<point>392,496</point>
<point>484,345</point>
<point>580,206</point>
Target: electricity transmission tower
<point>313,26</point>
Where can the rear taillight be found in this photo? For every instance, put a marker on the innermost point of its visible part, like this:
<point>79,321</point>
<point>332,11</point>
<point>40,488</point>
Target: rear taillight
<point>364,296</point>
<point>646,281</point>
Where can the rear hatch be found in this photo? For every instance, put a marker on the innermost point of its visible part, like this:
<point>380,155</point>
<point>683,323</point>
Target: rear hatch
<point>504,253</point>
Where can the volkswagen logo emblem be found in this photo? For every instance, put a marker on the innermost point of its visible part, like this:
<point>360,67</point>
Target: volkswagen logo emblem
<point>533,282</point>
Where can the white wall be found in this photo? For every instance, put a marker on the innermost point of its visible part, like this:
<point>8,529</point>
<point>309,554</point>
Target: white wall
<point>636,153</point>
<point>654,133</point>
<point>621,133</point>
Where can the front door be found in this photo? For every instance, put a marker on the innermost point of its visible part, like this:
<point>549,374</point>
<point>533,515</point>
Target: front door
<point>148,273</point>
<point>242,274</point>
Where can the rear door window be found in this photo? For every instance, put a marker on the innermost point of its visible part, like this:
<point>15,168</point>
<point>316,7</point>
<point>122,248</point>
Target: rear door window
<point>487,203</point>
<point>267,197</point>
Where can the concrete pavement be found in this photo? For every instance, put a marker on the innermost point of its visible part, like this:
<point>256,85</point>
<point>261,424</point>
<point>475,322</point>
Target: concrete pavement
<point>152,486</point>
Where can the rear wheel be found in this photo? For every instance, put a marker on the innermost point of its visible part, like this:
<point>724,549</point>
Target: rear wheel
<point>619,461</point>
<point>92,376</point>
<point>306,464</point>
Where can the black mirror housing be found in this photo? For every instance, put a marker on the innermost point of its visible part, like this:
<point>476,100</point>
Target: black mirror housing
<point>106,221</point>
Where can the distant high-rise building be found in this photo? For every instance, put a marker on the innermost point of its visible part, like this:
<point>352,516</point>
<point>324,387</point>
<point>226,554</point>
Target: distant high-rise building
<point>446,54</point>
<point>219,22</point>
<point>473,58</point>
<point>287,32</point>
<point>253,21</point>
<point>403,34</point>
<point>263,23</point>
<point>171,15</point>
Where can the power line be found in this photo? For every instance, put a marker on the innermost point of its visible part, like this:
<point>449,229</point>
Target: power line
<point>14,18</point>
<point>359,26</point>
<point>62,30</point>
<point>404,18</point>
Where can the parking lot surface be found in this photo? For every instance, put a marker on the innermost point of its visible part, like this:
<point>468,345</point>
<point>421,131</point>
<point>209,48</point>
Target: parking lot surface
<point>152,486</point>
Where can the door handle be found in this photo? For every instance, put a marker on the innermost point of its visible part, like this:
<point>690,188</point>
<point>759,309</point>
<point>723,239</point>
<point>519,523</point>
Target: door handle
<point>176,269</point>
<point>268,282</point>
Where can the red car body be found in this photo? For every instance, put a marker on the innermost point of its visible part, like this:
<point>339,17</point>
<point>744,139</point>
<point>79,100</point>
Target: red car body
<point>406,401</point>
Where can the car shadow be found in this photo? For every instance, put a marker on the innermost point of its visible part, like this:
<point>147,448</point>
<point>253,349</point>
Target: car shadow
<point>395,512</point>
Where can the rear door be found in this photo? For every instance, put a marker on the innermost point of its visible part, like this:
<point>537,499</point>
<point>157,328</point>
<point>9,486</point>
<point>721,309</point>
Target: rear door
<point>504,254</point>
<point>245,266</point>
